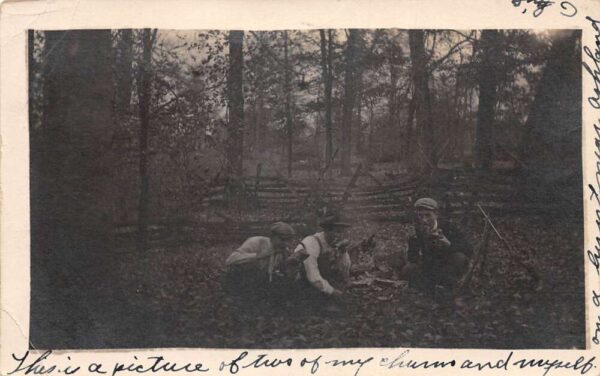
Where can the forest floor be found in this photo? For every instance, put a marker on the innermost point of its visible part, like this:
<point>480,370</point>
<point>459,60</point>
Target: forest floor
<point>175,299</point>
<point>172,294</point>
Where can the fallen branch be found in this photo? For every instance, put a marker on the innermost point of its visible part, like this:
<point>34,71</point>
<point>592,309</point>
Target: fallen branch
<point>391,282</point>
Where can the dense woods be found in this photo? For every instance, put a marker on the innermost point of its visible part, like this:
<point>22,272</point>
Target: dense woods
<point>217,104</point>
<point>145,141</point>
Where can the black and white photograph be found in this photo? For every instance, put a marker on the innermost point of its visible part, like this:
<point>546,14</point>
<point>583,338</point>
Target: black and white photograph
<point>315,188</point>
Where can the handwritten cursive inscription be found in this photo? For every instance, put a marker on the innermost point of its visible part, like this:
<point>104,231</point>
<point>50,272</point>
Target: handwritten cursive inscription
<point>40,366</point>
<point>352,362</point>
<point>594,100</point>
<point>260,361</point>
<point>500,364</point>
<point>596,301</point>
<point>158,365</point>
<point>540,5</point>
<point>581,364</point>
<point>594,256</point>
<point>35,366</point>
<point>401,362</point>
<point>314,364</point>
<point>568,9</point>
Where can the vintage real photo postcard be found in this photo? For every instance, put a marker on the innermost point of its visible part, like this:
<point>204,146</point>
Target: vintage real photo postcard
<point>381,187</point>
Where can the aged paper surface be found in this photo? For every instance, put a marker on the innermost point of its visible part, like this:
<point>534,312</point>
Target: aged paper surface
<point>16,264</point>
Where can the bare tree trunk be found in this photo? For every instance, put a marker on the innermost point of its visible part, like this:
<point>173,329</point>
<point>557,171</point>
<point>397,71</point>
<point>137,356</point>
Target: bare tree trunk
<point>78,129</point>
<point>255,128</point>
<point>456,132</point>
<point>358,128</point>
<point>392,96</point>
<point>124,72</point>
<point>424,157</point>
<point>258,118</point>
<point>370,157</point>
<point>408,137</point>
<point>484,139</point>
<point>360,137</point>
<point>145,94</point>
<point>288,110</point>
<point>72,234</point>
<point>326,52</point>
<point>349,98</point>
<point>392,105</point>
<point>235,140</point>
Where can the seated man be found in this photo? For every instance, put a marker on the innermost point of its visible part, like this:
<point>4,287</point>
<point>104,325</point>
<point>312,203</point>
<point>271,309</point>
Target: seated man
<point>254,263</point>
<point>328,259</point>
<point>438,253</point>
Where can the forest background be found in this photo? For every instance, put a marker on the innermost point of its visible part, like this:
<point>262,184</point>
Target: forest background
<point>152,151</point>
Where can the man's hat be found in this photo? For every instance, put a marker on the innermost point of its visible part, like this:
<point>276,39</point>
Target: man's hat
<point>426,203</point>
<point>282,230</point>
<point>333,220</point>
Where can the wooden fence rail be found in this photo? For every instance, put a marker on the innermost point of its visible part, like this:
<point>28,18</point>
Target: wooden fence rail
<point>373,198</point>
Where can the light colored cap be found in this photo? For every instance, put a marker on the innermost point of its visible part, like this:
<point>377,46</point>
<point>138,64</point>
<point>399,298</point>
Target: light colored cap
<point>282,229</point>
<point>426,203</point>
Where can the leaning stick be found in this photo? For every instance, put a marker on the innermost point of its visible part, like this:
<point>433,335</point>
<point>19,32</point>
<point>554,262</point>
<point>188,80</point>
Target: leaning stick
<point>476,261</point>
<point>351,185</point>
<point>327,165</point>
<point>526,264</point>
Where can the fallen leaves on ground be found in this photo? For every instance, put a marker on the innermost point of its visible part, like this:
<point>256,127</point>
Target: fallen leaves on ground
<point>174,298</point>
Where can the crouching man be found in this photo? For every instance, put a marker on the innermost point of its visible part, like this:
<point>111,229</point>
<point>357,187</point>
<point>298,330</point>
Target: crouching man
<point>438,255</point>
<point>255,263</point>
<point>327,267</point>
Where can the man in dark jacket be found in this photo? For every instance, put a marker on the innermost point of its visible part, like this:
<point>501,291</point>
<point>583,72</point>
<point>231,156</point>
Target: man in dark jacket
<point>439,253</point>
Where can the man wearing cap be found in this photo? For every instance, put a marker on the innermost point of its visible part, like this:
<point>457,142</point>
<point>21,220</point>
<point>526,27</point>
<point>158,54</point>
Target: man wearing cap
<point>255,261</point>
<point>328,259</point>
<point>438,253</point>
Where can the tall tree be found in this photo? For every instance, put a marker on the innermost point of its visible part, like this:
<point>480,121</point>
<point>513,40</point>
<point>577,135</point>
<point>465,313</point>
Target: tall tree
<point>145,93</point>
<point>124,71</point>
<point>484,131</point>
<point>73,233</point>
<point>289,126</point>
<point>360,139</point>
<point>349,99</point>
<point>425,158</point>
<point>327,73</point>
<point>235,96</point>
<point>555,112</point>
<point>408,135</point>
<point>394,59</point>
